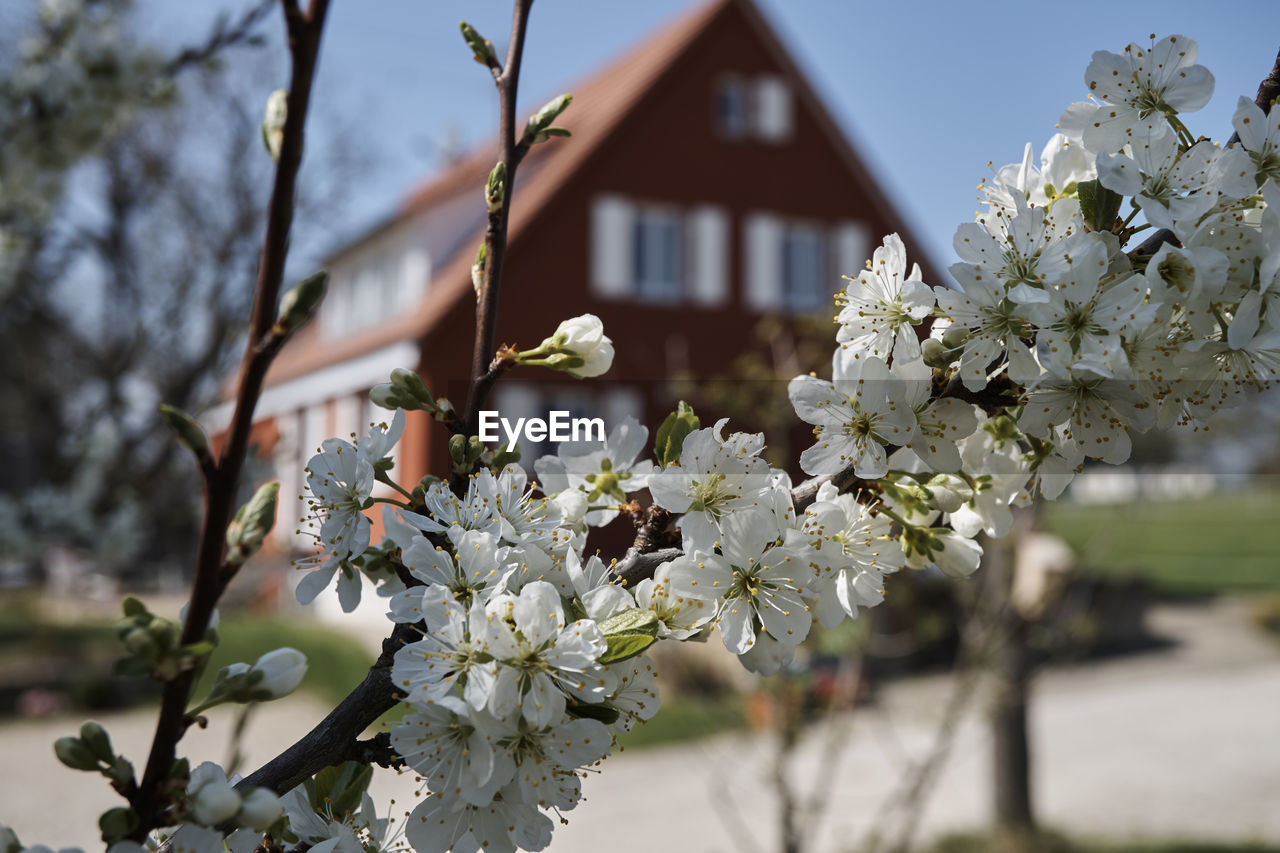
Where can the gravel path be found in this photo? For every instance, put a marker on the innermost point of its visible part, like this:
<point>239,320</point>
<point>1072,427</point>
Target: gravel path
<point>1183,742</point>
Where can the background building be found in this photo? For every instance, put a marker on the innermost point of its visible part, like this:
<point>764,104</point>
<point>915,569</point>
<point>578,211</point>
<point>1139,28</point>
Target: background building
<point>704,187</point>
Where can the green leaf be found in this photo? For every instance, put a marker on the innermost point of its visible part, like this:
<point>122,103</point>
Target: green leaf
<point>604,713</point>
<point>624,646</point>
<point>671,435</point>
<point>342,785</point>
<point>628,633</point>
<point>1099,205</point>
<point>634,620</point>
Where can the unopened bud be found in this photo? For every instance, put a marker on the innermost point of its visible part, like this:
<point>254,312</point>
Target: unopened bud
<point>95,737</point>
<point>481,47</point>
<point>539,128</point>
<point>935,354</point>
<point>188,429</point>
<point>273,121</point>
<point>281,672</point>
<point>259,810</point>
<point>496,188</point>
<point>117,823</point>
<point>251,525</point>
<point>74,753</point>
<point>955,337</point>
<point>301,302</point>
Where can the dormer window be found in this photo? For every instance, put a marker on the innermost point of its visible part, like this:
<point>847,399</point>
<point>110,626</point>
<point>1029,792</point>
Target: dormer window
<point>756,107</point>
<point>733,108</point>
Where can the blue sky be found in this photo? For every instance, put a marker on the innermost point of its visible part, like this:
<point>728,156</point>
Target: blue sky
<point>929,93</point>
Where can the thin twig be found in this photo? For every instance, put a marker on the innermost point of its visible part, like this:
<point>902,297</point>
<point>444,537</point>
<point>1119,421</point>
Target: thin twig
<point>221,487</point>
<point>513,150</point>
<point>222,37</point>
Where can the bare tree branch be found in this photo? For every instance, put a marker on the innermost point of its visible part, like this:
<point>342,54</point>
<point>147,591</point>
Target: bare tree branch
<point>220,489</point>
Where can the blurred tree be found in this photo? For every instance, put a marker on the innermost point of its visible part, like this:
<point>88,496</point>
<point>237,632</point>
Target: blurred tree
<point>129,252</point>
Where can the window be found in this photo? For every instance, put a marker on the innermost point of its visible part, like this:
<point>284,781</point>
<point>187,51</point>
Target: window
<point>803,273</point>
<point>785,263</point>
<point>656,256</point>
<point>772,109</point>
<point>732,108</point>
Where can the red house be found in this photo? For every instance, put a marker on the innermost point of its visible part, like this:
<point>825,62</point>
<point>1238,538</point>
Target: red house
<point>704,187</point>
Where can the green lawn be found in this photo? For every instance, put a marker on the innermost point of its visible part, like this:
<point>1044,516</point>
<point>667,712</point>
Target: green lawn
<point>687,718</point>
<point>1226,543</point>
<point>80,656</point>
<point>335,663</point>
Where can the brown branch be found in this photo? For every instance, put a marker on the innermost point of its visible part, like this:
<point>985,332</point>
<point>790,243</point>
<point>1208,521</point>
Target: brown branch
<point>513,150</point>
<point>221,487</point>
<point>333,740</point>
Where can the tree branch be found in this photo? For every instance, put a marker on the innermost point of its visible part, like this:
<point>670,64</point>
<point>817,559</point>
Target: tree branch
<point>495,238</point>
<point>220,489</point>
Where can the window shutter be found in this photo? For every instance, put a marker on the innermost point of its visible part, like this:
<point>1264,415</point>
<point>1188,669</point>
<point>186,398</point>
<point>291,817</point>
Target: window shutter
<point>612,221</point>
<point>708,256</point>
<point>851,246</point>
<point>415,271</point>
<point>763,260</point>
<point>773,108</point>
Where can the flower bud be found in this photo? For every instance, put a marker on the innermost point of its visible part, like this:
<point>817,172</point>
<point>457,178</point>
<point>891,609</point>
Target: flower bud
<point>9,842</point>
<point>282,671</point>
<point>74,753</point>
<point>582,338</point>
<point>955,337</point>
<point>251,525</point>
<point>301,301</point>
<point>96,739</point>
<point>259,810</point>
<point>273,120</point>
<point>948,492</point>
<point>214,802</point>
<point>117,823</point>
<point>935,353</point>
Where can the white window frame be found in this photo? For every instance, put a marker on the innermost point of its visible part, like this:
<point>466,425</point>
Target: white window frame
<point>803,290</point>
<point>658,274</point>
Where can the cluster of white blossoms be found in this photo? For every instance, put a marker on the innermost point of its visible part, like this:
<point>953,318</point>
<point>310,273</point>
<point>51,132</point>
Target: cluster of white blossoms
<point>946,407</point>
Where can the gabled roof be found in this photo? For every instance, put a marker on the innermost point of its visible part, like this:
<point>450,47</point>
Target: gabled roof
<point>600,105</point>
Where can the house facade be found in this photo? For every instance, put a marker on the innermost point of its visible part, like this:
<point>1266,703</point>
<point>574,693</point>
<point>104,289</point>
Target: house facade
<point>704,187</point>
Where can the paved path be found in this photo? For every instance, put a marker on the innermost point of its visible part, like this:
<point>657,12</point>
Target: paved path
<point>1183,742</point>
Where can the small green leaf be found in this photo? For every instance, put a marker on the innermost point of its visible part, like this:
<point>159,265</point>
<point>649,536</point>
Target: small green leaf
<point>671,435</point>
<point>606,714</point>
<point>628,633</point>
<point>624,646</point>
<point>1099,205</point>
<point>635,620</point>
